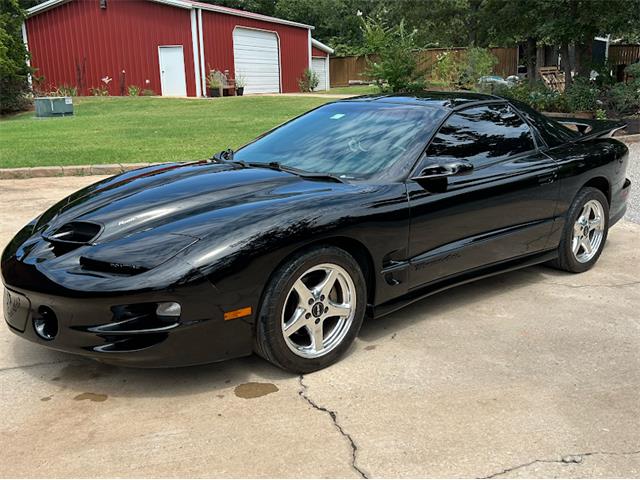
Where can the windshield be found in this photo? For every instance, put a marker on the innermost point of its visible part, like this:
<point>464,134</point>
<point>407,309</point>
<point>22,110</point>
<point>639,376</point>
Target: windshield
<point>348,139</point>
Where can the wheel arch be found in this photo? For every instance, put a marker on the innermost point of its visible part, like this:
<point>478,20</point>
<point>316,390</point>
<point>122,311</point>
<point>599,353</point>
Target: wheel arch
<point>600,183</point>
<point>353,247</point>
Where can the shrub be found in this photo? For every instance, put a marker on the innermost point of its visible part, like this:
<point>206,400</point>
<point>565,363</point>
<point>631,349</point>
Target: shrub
<point>447,68</point>
<point>623,99</point>
<point>147,92</point>
<point>14,71</point>
<point>463,68</point>
<point>65,91</point>
<point>537,96</point>
<point>309,81</point>
<point>582,96</point>
<point>633,70</point>
<point>99,91</point>
<point>133,90</point>
<point>476,63</point>
<point>395,67</point>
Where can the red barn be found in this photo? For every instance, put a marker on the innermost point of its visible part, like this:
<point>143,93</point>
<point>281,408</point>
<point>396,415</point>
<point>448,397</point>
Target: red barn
<point>167,46</point>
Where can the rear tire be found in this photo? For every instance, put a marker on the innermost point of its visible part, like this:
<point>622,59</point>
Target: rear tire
<point>311,311</point>
<point>584,233</point>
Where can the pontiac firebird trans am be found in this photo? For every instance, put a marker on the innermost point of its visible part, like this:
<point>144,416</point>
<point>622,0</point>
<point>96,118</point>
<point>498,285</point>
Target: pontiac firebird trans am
<point>356,208</point>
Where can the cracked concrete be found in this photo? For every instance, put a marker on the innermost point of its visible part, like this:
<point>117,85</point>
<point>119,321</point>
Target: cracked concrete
<point>499,378</point>
<point>566,459</point>
<point>334,419</point>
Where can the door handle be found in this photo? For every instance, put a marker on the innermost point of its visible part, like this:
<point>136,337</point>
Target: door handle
<point>433,172</point>
<point>546,178</point>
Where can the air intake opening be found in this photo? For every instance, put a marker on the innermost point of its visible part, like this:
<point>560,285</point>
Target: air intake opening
<point>72,235</point>
<point>75,232</point>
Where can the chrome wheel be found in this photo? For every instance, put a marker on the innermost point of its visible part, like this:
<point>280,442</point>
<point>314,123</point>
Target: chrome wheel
<point>319,310</point>
<point>588,231</point>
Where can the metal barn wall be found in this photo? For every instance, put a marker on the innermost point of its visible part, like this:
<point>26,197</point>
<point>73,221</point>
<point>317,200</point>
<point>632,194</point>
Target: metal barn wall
<point>217,37</point>
<point>78,43</point>
<point>316,52</point>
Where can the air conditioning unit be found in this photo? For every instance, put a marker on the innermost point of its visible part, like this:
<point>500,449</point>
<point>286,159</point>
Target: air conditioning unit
<point>53,106</point>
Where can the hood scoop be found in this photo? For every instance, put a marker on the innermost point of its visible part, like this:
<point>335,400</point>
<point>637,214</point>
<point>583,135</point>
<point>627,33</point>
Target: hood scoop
<point>72,235</point>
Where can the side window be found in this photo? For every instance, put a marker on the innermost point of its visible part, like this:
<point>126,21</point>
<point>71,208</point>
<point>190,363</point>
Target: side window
<point>481,135</point>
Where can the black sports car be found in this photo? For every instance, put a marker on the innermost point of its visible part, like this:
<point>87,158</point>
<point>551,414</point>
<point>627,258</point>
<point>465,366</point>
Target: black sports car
<point>356,208</point>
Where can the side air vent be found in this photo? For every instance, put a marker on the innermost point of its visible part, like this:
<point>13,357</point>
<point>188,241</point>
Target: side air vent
<point>111,267</point>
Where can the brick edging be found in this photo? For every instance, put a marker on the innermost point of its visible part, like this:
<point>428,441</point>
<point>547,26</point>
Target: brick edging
<point>69,170</point>
<point>115,168</point>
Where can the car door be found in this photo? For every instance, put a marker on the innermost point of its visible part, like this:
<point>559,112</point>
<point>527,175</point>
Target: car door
<point>482,193</point>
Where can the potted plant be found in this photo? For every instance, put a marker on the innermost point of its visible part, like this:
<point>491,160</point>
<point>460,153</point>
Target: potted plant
<point>241,81</point>
<point>214,83</point>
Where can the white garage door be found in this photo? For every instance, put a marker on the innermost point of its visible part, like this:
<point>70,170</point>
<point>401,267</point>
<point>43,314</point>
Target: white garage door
<point>257,59</point>
<point>319,65</point>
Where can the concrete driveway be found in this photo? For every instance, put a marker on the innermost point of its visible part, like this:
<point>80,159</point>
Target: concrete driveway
<point>534,373</point>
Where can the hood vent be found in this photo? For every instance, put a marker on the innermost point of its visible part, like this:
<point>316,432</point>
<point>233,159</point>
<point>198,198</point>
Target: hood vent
<point>72,235</point>
<point>111,267</point>
<point>79,233</point>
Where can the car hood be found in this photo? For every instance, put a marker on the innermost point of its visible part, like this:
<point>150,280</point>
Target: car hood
<point>152,214</point>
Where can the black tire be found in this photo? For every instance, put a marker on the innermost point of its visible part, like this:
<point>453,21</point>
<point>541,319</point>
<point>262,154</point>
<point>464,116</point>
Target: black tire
<point>566,260</point>
<point>270,341</point>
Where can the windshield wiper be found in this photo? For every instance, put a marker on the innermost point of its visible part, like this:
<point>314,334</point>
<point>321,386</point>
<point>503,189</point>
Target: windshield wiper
<point>295,171</point>
<point>226,156</point>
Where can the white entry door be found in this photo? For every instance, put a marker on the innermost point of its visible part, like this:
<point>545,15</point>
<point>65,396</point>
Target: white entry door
<point>172,74</point>
<point>319,66</point>
<point>257,59</point>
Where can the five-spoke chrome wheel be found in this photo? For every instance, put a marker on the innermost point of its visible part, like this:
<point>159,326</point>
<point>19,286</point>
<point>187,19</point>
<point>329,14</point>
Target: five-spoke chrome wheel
<point>319,310</point>
<point>588,231</point>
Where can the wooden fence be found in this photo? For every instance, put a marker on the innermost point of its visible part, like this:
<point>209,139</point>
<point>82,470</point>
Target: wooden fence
<point>344,70</point>
<point>623,54</point>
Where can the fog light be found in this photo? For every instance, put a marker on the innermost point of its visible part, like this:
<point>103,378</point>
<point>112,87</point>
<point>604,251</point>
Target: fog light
<point>168,309</point>
<point>46,324</point>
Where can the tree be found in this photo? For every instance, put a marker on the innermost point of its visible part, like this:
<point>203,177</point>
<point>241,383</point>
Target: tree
<point>510,22</point>
<point>14,71</point>
<point>394,66</point>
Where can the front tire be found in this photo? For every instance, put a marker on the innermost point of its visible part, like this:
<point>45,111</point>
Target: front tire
<point>312,310</point>
<point>585,232</point>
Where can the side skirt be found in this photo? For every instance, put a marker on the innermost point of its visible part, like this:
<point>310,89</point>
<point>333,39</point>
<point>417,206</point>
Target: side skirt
<point>459,279</point>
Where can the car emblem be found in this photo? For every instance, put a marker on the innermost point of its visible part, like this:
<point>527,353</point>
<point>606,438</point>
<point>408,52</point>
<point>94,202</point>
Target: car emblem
<point>317,309</point>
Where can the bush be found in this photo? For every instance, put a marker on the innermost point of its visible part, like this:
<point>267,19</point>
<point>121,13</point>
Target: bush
<point>14,71</point>
<point>633,70</point>
<point>395,67</point>
<point>133,90</point>
<point>623,99</point>
<point>65,91</point>
<point>448,69</point>
<point>537,96</point>
<point>309,81</point>
<point>465,68</point>
<point>582,96</point>
<point>99,91</point>
<point>476,63</point>
<point>147,92</point>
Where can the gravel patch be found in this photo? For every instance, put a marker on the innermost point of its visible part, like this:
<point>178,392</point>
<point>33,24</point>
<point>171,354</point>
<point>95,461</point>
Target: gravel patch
<point>633,173</point>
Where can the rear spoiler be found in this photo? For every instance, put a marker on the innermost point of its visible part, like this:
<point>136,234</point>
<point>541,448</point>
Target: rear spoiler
<point>590,128</point>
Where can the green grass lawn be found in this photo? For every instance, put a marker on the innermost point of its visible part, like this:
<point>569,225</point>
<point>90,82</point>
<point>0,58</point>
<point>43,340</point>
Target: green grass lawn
<point>353,90</point>
<point>142,129</point>
<point>369,89</point>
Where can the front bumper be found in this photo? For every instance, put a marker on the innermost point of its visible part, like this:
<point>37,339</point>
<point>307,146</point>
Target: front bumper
<point>88,326</point>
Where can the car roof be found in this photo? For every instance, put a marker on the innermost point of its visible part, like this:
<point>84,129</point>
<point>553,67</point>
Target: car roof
<point>446,100</point>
